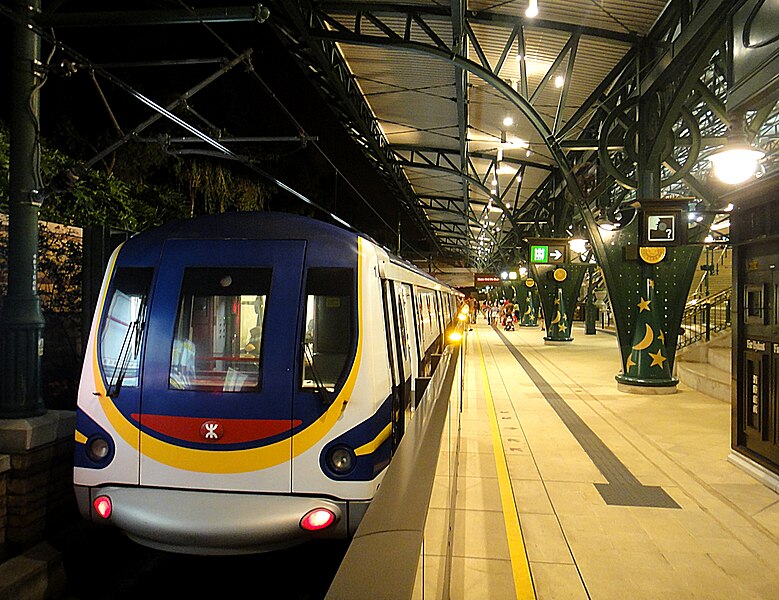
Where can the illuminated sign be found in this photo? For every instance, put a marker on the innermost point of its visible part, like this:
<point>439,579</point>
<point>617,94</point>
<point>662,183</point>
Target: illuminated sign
<point>480,279</point>
<point>547,254</point>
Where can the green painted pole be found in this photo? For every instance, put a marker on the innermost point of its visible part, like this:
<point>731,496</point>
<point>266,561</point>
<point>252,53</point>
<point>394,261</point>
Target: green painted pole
<point>590,310</point>
<point>21,320</point>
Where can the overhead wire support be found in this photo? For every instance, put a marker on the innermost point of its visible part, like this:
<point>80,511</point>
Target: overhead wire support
<point>303,135</point>
<point>172,106</point>
<point>223,151</point>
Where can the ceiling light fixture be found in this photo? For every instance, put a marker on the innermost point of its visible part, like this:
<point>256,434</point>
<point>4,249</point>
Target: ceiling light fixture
<point>532,9</point>
<point>737,160</point>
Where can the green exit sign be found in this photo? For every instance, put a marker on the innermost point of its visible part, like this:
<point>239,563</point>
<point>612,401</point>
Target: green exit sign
<point>548,253</point>
<point>539,254</point>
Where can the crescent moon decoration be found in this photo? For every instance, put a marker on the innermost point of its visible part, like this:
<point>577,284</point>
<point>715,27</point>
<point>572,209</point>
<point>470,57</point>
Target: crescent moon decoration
<point>557,319</point>
<point>527,312</point>
<point>649,337</point>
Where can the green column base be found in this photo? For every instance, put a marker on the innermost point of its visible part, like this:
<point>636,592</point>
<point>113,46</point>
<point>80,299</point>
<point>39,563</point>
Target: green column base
<point>636,385</point>
<point>557,341</point>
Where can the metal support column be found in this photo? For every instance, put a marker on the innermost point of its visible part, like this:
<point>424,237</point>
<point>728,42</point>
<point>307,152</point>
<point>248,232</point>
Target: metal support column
<point>21,321</point>
<point>590,310</point>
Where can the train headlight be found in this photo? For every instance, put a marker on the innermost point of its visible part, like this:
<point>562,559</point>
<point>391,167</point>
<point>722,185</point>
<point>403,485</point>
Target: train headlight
<point>341,459</point>
<point>98,449</point>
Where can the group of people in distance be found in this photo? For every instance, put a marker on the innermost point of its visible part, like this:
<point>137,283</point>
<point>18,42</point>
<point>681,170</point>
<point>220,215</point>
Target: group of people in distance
<point>502,313</point>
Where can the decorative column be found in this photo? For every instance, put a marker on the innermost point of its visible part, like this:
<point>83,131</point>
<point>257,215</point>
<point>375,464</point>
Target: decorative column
<point>590,310</point>
<point>530,311</point>
<point>558,287</point>
<point>647,363</point>
<point>558,327</point>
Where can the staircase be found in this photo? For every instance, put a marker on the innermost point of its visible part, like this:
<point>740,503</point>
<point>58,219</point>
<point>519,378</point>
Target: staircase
<point>705,366</point>
<point>703,357</point>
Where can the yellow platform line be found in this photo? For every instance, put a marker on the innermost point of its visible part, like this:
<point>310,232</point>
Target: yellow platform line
<point>520,567</point>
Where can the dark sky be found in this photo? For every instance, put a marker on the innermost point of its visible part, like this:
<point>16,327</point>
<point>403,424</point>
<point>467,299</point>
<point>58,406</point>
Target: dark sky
<point>237,103</point>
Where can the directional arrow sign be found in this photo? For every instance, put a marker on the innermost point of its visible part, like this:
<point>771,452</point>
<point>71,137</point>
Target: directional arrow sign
<point>548,251</point>
<point>558,253</point>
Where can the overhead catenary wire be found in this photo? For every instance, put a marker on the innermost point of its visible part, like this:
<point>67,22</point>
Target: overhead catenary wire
<point>296,123</point>
<point>121,84</point>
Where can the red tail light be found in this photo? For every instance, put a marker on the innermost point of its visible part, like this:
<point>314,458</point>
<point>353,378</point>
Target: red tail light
<point>319,518</point>
<point>102,505</point>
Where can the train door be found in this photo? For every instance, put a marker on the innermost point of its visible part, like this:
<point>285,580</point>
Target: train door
<point>400,359</point>
<point>216,398</point>
<point>404,302</point>
<point>396,369</point>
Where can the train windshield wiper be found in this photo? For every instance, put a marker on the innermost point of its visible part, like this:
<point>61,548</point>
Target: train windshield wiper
<point>131,347</point>
<point>308,353</point>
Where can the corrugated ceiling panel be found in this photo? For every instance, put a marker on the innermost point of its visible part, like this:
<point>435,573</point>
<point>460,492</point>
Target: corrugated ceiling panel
<point>410,95</point>
<point>413,97</point>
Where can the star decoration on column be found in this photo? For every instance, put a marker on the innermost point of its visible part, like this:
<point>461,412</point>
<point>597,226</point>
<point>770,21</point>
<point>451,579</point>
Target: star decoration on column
<point>643,305</point>
<point>657,359</point>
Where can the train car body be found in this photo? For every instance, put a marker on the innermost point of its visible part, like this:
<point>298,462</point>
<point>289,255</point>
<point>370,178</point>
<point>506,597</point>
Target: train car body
<point>246,381</point>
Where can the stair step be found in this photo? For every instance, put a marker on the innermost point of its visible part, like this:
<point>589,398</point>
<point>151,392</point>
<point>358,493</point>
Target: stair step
<point>719,357</point>
<point>705,378</point>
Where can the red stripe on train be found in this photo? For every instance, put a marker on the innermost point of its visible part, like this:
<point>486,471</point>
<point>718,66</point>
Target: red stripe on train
<point>216,431</point>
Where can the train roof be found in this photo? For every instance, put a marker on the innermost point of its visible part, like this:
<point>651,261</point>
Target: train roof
<point>262,225</point>
<point>248,225</point>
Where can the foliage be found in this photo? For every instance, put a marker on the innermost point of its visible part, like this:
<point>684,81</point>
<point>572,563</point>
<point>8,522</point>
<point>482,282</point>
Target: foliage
<point>135,189</point>
<point>212,187</point>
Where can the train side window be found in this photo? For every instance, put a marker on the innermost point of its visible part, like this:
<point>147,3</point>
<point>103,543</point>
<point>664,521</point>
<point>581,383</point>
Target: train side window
<point>218,341</point>
<point>329,326</point>
<point>402,323</point>
<point>120,335</point>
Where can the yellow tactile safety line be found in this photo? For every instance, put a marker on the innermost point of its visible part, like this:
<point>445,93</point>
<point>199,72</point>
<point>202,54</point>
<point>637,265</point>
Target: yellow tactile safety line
<point>520,567</point>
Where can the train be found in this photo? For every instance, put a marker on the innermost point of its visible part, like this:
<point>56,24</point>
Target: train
<point>247,379</point>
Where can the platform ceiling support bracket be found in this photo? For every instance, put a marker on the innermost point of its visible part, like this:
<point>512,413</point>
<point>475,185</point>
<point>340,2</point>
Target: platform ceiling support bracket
<point>461,91</point>
<point>657,105</point>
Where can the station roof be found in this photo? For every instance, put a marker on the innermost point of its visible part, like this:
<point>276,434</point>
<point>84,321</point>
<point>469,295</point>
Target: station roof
<point>474,115</point>
<point>447,111</point>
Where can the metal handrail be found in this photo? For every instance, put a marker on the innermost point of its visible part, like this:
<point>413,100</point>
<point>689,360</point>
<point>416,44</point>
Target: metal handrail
<point>707,275</point>
<point>703,317</point>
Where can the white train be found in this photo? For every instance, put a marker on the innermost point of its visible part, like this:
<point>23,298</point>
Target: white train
<point>247,379</point>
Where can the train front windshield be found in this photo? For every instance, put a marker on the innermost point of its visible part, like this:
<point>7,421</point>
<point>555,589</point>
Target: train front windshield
<point>121,335</point>
<point>218,343</point>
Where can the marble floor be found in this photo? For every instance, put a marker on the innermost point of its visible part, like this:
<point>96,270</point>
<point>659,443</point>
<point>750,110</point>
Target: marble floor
<point>547,438</point>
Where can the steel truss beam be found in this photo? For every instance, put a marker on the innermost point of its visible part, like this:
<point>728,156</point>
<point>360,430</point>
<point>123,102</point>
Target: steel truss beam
<point>293,22</point>
<point>325,28</point>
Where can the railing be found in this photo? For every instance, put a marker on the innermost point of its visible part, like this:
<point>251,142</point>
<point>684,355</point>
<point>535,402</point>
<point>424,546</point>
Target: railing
<point>703,317</point>
<point>710,269</point>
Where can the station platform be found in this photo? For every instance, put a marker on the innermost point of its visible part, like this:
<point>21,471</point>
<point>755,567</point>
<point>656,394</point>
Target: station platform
<point>570,489</point>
